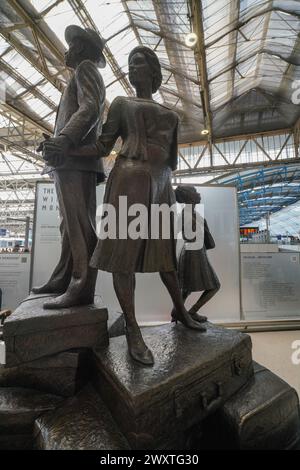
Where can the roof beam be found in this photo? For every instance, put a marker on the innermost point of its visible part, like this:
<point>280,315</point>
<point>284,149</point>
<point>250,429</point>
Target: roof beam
<point>289,72</point>
<point>227,169</point>
<point>266,24</point>
<point>170,69</point>
<point>169,91</point>
<point>5,67</point>
<point>239,137</point>
<point>295,61</point>
<point>49,8</point>
<point>243,23</point>
<point>134,27</point>
<point>9,202</point>
<point>40,39</point>
<point>200,56</point>
<point>277,98</point>
<point>23,152</point>
<point>20,130</point>
<point>35,27</point>
<point>31,58</point>
<point>162,13</point>
<point>38,125</point>
<point>160,33</point>
<point>233,48</point>
<point>296,132</point>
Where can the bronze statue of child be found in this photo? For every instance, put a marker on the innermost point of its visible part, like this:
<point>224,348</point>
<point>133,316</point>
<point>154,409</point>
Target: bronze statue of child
<point>194,270</point>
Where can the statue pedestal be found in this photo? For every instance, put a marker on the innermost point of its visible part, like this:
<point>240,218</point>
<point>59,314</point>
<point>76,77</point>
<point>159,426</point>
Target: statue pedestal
<point>193,375</point>
<point>32,333</point>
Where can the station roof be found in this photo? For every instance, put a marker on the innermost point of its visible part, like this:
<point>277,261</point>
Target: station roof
<point>251,50</point>
<point>264,191</point>
<point>286,222</point>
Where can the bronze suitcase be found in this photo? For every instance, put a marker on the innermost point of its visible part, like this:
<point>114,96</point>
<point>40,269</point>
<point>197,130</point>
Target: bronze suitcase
<point>193,375</point>
<point>262,416</point>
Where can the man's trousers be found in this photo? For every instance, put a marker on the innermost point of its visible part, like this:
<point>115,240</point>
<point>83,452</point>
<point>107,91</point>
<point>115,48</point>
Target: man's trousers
<point>76,192</point>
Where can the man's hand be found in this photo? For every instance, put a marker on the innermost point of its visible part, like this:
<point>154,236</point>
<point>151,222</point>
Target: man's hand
<point>55,148</point>
<point>40,147</point>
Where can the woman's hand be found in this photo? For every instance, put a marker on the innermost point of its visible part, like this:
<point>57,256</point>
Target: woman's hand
<point>55,149</point>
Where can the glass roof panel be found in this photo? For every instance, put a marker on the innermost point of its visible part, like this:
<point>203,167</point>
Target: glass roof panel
<point>22,66</point>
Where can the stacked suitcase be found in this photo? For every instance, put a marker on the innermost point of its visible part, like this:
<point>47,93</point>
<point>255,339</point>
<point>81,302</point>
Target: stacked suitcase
<point>264,415</point>
<point>225,401</point>
<point>193,375</point>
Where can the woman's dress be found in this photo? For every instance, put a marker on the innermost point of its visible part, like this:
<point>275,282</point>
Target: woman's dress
<point>142,173</point>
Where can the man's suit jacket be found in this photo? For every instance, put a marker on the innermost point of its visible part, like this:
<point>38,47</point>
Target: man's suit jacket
<point>80,115</point>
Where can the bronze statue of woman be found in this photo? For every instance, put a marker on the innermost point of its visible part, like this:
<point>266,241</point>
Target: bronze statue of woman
<point>142,172</point>
<point>195,272</point>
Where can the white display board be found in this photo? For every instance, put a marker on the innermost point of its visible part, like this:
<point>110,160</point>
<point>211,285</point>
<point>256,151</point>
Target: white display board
<point>46,235</point>
<point>14,278</point>
<point>270,285</point>
<point>153,303</point>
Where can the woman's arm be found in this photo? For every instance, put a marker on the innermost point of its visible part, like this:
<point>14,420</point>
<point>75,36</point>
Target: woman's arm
<point>110,132</point>
<point>86,151</point>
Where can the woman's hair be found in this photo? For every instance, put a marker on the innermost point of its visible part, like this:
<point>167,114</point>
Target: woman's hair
<point>153,63</point>
<point>186,194</point>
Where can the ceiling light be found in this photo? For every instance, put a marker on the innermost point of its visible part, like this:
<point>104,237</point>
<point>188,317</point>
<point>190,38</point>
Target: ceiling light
<point>205,131</point>
<point>191,39</point>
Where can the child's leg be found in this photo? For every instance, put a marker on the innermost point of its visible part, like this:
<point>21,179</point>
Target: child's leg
<point>203,299</point>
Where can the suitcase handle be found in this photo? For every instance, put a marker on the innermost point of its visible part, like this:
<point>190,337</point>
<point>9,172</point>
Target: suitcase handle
<point>209,407</point>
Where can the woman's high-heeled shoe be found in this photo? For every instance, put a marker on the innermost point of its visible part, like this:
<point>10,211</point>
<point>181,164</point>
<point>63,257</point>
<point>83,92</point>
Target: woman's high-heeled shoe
<point>138,350</point>
<point>195,316</point>
<point>187,321</point>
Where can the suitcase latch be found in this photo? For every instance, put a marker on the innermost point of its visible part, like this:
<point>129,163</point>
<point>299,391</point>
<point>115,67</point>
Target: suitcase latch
<point>239,364</point>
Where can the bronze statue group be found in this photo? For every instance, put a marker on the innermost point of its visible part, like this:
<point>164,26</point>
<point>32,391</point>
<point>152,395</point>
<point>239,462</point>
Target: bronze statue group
<point>142,172</point>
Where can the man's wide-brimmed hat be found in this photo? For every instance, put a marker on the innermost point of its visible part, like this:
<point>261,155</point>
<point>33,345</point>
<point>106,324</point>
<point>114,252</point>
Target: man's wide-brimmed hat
<point>88,34</point>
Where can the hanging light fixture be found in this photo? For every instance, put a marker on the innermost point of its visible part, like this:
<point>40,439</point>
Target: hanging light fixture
<point>191,39</point>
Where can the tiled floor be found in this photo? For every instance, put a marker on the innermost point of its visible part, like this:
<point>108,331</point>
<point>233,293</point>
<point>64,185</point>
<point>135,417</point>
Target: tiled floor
<point>274,350</point>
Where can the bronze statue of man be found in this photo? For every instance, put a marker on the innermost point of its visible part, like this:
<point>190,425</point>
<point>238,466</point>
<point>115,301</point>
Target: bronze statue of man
<point>78,122</point>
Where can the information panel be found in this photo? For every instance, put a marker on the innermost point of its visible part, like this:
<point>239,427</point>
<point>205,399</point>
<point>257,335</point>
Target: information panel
<point>14,278</point>
<point>46,236</point>
<point>270,285</point>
